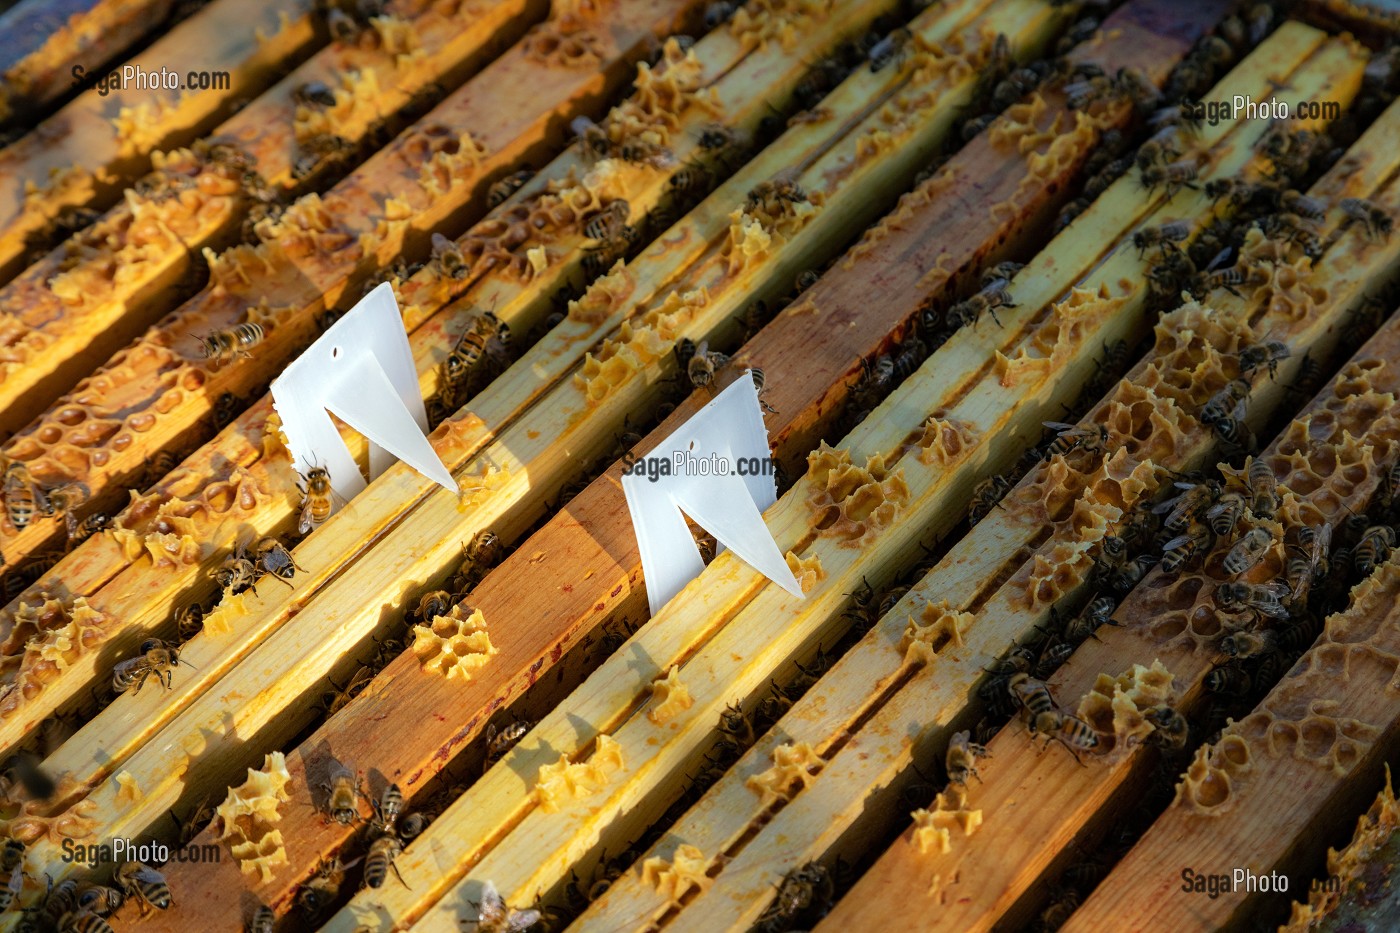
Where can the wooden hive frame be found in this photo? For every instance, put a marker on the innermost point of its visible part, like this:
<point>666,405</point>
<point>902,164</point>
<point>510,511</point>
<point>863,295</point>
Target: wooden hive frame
<point>759,170</point>
<point>1346,273</point>
<point>814,812</point>
<point>157,393</point>
<point>861,737</point>
<point>94,294</point>
<point>78,159</point>
<point>243,459</point>
<point>617,683</point>
<point>423,697</point>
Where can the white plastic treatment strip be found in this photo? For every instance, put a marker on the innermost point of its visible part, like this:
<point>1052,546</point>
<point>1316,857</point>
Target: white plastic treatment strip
<point>716,468</point>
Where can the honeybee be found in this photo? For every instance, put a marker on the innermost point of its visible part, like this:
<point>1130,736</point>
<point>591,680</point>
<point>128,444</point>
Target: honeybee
<point>1096,612</point>
<point>774,194</point>
<point>22,496</point>
<point>1245,644</point>
<point>735,724</point>
<point>484,551</point>
<point>1248,551</point>
<point>98,898</point>
<point>986,496</point>
<point>388,807</point>
<point>1072,437</point>
<point>1113,554</point>
<point>494,915</point>
<point>1231,679</point>
<point>1225,513</point>
<point>1164,236</point>
<point>66,500</point>
<point>1264,598</point>
<point>806,890</point>
<point>1238,191</point>
<point>1074,734</point>
<point>15,885</point>
<point>1303,206</point>
<point>714,136</point>
<point>994,294</point>
<point>262,920</point>
<point>718,12</point>
<point>501,191</point>
<point>1302,569</point>
<point>343,795</point>
<point>702,363</point>
<point>273,558</point>
<point>317,499</point>
<point>95,523</point>
<point>1269,354</point>
<point>1373,547</point>
<point>893,48</point>
<point>607,224</point>
<point>1057,913</point>
<point>1263,488</point>
<point>1179,550</point>
<point>961,759</point>
<point>314,94</point>
<point>1290,228</point>
<point>499,743</point>
<point>433,604</point>
<point>1169,728</point>
<point>1229,279</point>
<point>237,572</point>
<point>593,139</point>
<point>82,921</point>
<point>322,888</point>
<point>412,826</point>
<point>486,331</point>
<point>448,258</point>
<point>1034,697</point>
<point>1234,432</point>
<point>156,658</point>
<point>1226,403</point>
<point>337,698</point>
<point>1174,175</point>
<point>380,859</point>
<point>1376,221</point>
<point>1133,572</point>
<point>145,884</point>
<point>189,620</point>
<point>236,341</point>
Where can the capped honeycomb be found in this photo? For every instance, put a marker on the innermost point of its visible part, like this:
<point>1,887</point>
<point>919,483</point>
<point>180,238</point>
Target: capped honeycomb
<point>454,645</point>
<point>565,781</point>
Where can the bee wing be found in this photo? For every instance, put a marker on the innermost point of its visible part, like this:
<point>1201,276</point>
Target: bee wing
<point>1275,588</point>
<point>1217,509</point>
<point>1176,542</point>
<point>441,244</point>
<point>1239,409</point>
<point>1323,544</point>
<point>521,920</point>
<point>148,875</point>
<point>1274,610</point>
<point>1060,426</point>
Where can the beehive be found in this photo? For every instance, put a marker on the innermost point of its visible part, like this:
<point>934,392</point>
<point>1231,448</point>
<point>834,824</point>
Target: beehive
<point>820,189</point>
